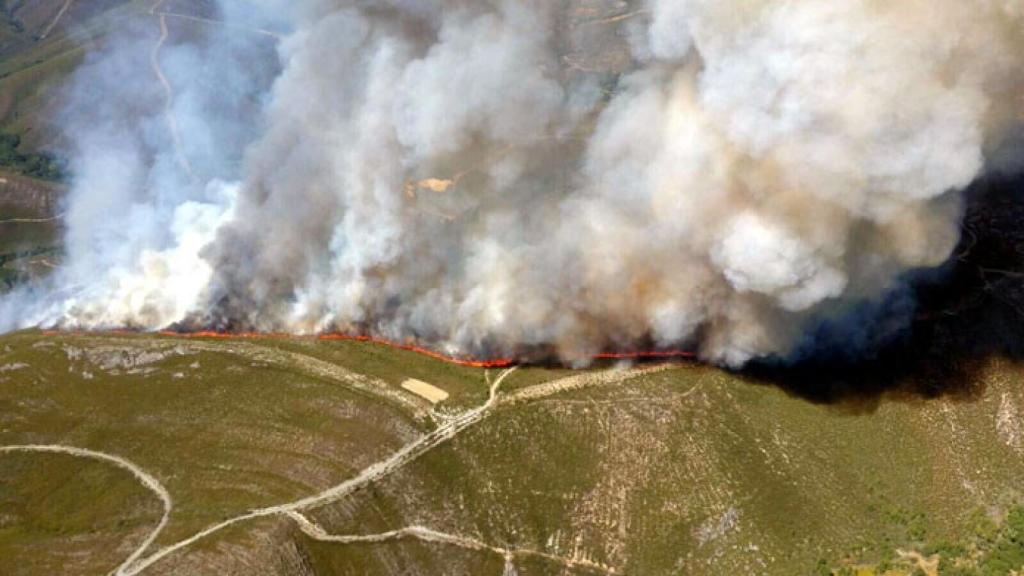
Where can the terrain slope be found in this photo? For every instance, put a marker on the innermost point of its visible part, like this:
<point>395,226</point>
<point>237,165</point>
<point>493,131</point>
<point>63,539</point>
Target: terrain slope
<point>309,457</point>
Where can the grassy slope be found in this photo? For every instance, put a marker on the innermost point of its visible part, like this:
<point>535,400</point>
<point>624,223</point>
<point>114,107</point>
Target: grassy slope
<point>57,511</point>
<point>21,244</point>
<point>728,478</point>
<point>466,386</point>
<point>223,431</point>
<point>689,471</point>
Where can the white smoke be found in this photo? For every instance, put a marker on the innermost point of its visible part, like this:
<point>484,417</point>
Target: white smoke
<point>508,176</point>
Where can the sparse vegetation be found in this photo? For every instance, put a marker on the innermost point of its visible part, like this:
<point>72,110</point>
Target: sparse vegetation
<point>688,470</point>
<point>50,501</point>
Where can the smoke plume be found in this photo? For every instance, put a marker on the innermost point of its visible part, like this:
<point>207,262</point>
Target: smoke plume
<point>530,176</point>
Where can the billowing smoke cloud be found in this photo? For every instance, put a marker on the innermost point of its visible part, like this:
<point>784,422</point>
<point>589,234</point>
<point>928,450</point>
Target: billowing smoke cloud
<point>513,176</point>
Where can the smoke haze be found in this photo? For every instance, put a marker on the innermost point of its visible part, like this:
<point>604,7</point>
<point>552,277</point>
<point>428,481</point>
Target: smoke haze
<point>509,177</point>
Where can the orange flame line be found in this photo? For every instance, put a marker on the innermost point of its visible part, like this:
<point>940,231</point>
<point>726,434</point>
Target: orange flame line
<point>460,361</point>
<point>472,362</point>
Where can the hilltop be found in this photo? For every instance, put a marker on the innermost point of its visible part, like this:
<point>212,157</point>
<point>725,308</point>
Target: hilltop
<point>163,454</point>
<point>313,457</point>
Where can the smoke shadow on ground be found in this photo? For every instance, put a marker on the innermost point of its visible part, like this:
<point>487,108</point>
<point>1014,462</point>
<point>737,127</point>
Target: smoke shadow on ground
<point>969,313</point>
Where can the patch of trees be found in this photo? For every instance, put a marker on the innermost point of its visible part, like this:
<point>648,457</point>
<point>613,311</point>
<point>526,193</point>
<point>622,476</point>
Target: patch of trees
<point>42,165</point>
<point>995,550</point>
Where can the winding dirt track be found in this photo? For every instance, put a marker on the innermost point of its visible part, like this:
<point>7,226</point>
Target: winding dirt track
<point>147,480</point>
<point>154,59</point>
<point>579,381</point>
<point>60,14</point>
<point>370,474</point>
<point>227,25</point>
<point>405,455</point>
<point>32,220</point>
<point>429,535</point>
<point>136,563</point>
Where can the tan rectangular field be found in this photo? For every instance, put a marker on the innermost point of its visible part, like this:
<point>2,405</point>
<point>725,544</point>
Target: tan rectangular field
<point>431,393</point>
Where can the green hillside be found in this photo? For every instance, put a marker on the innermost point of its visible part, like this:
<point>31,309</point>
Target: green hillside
<point>656,470</point>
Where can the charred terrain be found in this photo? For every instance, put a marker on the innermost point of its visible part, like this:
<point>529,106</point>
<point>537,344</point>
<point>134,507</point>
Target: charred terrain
<point>898,451</point>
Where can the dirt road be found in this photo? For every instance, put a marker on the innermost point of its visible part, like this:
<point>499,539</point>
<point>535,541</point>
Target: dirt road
<point>429,535</point>
<point>136,563</point>
<point>147,480</point>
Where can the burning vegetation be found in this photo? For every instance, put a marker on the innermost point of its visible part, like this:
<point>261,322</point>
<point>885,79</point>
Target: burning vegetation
<point>491,178</point>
